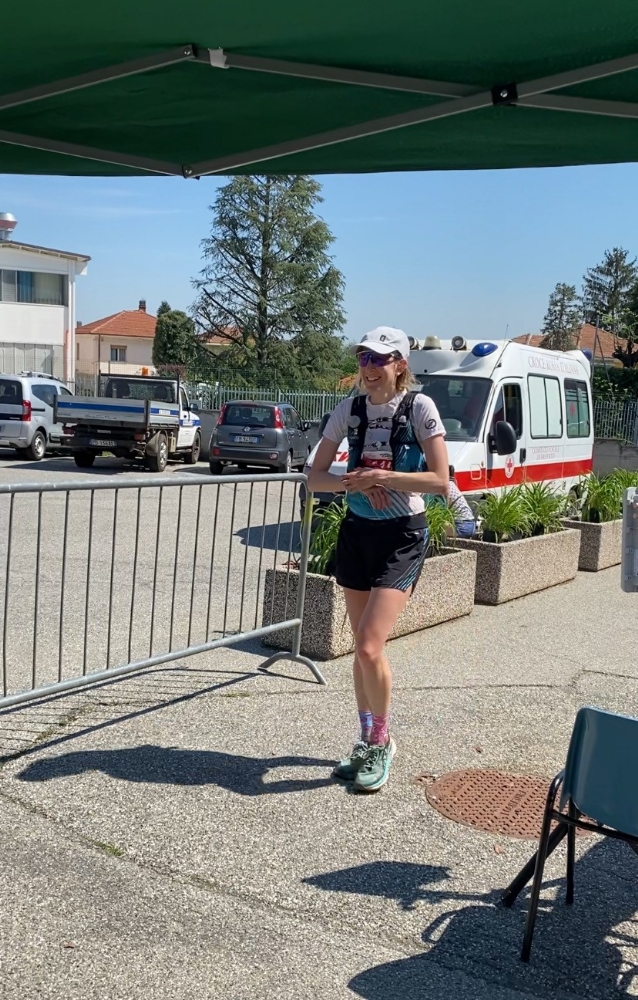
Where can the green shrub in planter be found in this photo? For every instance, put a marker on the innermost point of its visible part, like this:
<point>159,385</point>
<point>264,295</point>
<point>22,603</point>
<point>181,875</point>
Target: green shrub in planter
<point>504,518</point>
<point>439,517</point>
<point>323,541</point>
<point>545,508</point>
<point>602,498</point>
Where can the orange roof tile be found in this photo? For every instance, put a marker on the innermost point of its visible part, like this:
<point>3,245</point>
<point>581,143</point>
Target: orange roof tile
<point>585,339</point>
<point>126,323</point>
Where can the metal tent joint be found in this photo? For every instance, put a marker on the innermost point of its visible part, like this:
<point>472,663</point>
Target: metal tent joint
<point>504,93</point>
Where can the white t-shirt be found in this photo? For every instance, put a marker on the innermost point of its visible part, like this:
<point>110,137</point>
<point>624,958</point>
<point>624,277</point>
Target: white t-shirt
<point>458,503</point>
<point>377,453</point>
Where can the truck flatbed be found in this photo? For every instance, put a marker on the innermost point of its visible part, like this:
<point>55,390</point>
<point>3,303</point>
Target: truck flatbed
<point>102,412</point>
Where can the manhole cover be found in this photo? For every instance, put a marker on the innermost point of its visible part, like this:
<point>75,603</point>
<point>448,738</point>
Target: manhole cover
<point>494,801</point>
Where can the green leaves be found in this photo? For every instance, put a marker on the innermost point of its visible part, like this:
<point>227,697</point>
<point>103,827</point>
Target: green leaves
<point>544,506</point>
<point>603,495</point>
<point>325,532</point>
<point>562,319</point>
<point>268,278</point>
<point>174,343</point>
<point>439,518</point>
<point>504,517</point>
<point>528,509</point>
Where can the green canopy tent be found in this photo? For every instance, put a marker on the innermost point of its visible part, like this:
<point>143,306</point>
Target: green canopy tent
<point>198,88</point>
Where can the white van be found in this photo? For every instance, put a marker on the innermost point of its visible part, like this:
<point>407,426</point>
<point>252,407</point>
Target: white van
<point>512,413</point>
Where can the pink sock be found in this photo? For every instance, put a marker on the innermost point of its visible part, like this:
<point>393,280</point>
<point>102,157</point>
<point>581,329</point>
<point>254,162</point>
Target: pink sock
<point>379,734</point>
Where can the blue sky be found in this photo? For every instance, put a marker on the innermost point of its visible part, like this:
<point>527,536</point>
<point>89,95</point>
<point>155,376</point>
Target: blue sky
<point>435,253</point>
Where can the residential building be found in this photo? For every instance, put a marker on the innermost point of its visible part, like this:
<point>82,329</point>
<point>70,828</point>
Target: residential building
<point>601,343</point>
<point>121,343</point>
<point>37,305</point>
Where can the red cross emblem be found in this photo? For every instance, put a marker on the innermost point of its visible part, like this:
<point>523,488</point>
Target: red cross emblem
<point>509,466</point>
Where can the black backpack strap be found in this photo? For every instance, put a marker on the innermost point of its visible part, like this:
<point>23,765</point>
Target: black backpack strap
<point>357,427</point>
<point>402,429</point>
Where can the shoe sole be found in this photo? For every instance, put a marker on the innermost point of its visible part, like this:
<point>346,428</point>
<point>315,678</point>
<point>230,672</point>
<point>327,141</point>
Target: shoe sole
<point>380,784</point>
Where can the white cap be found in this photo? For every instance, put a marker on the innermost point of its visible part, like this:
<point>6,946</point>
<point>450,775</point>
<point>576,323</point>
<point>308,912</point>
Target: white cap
<point>384,340</point>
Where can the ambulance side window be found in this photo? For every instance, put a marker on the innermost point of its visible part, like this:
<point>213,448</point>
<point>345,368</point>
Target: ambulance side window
<point>545,410</point>
<point>509,406</point>
<point>577,408</point>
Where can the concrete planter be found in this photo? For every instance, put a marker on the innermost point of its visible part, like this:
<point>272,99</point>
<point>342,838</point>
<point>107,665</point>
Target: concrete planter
<point>445,591</point>
<point>508,570</point>
<point>600,544</point>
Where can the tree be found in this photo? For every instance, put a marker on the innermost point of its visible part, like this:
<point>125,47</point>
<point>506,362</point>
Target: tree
<point>268,277</point>
<point>562,319</point>
<point>626,350</point>
<point>174,343</point>
<point>606,288</point>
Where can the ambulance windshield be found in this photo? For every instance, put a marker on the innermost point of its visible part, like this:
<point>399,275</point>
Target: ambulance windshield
<point>460,401</point>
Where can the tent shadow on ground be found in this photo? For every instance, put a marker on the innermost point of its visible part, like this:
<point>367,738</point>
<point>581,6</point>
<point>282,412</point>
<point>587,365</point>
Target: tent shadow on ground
<point>273,537</point>
<point>172,766</point>
<point>588,950</point>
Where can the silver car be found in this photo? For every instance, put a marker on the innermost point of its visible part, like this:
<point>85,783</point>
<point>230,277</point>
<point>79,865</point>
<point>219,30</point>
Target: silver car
<point>256,433</point>
<point>26,413</point>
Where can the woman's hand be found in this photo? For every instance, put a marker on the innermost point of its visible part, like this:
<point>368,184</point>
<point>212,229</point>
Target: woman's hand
<point>378,497</point>
<point>363,480</point>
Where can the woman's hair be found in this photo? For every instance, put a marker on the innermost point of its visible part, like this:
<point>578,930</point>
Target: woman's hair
<point>405,381</point>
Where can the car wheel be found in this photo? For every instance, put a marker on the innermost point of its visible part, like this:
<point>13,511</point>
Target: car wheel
<point>215,468</point>
<point>37,448</point>
<point>192,457</point>
<point>286,466</point>
<point>159,461</point>
<point>83,459</point>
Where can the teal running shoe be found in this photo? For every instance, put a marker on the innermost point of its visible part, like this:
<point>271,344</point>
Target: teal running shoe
<point>373,772</point>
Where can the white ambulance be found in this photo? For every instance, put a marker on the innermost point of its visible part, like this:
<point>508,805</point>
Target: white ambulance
<point>512,413</point>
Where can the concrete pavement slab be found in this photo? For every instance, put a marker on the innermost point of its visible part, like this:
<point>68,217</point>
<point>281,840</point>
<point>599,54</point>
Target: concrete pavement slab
<point>181,831</point>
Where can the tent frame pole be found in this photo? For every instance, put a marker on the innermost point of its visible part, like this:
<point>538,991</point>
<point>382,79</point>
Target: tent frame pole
<point>459,99</point>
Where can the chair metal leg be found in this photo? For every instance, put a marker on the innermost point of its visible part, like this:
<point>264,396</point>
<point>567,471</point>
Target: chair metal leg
<point>571,855</point>
<point>541,856</point>
<point>510,895</point>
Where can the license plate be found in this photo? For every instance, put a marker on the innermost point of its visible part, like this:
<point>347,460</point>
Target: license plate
<point>244,439</point>
<point>94,443</point>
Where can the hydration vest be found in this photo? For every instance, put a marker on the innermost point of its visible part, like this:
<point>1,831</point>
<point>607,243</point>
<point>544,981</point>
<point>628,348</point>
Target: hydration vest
<point>407,455</point>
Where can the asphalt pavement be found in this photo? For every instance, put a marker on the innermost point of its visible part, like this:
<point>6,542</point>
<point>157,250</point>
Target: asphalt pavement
<point>176,834</point>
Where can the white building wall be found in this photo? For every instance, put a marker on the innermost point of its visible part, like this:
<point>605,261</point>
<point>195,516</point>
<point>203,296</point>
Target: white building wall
<point>139,352</point>
<point>24,323</point>
<point>27,327</point>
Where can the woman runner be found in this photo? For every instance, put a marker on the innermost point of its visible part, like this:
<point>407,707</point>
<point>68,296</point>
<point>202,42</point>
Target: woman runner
<point>393,435</point>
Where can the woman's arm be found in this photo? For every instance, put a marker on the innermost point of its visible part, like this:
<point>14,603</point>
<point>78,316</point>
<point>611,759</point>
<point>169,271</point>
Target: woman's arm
<point>435,480</point>
<point>320,479</point>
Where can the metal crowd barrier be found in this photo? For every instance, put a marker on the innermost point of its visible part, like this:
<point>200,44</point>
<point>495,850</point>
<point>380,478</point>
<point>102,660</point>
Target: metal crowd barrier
<point>105,578</point>
<point>629,557</point>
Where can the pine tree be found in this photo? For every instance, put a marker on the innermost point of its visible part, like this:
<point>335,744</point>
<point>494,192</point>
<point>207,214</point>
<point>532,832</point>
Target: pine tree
<point>268,277</point>
<point>562,319</point>
<point>606,288</point>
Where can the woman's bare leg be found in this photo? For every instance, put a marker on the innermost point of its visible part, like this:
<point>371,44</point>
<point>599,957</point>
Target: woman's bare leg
<point>375,624</point>
<point>356,601</point>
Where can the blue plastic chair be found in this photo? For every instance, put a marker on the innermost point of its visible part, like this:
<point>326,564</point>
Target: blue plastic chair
<point>599,782</point>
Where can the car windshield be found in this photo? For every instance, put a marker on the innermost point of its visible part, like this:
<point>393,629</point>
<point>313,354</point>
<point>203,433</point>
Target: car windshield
<point>460,401</point>
<point>130,388</point>
<point>249,415</point>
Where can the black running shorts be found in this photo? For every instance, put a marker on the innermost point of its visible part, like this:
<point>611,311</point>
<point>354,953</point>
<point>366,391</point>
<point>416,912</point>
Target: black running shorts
<point>381,553</point>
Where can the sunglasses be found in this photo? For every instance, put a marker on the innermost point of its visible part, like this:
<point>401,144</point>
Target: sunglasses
<point>377,360</point>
